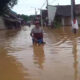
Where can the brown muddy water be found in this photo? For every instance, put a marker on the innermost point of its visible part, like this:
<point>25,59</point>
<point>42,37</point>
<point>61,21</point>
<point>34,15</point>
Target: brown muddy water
<point>58,59</point>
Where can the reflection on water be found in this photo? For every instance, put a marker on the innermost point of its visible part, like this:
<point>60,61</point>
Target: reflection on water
<point>20,60</point>
<point>39,56</point>
<point>75,58</point>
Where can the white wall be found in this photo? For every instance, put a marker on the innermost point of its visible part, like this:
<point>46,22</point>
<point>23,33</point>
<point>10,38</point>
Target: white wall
<point>51,13</point>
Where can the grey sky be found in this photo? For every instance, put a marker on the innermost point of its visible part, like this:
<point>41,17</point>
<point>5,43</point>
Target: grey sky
<point>27,7</point>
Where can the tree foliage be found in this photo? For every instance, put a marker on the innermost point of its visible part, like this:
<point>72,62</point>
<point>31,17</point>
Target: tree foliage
<point>25,17</point>
<point>7,4</point>
<point>28,18</point>
<point>12,3</point>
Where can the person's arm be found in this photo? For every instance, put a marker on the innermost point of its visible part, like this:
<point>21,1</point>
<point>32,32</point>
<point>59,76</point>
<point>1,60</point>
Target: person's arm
<point>41,34</point>
<point>31,34</point>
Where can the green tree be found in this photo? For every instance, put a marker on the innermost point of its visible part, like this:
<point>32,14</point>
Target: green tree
<point>25,17</point>
<point>4,4</point>
<point>12,3</point>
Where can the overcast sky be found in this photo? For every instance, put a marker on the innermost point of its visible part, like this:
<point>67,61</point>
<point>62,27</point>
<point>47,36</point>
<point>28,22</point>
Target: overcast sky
<point>27,7</point>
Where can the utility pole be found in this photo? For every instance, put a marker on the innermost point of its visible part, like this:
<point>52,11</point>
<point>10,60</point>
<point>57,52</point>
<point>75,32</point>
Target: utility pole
<point>47,10</point>
<point>47,3</point>
<point>73,16</point>
<point>40,14</point>
<point>35,12</point>
<point>73,9</point>
<point>41,18</point>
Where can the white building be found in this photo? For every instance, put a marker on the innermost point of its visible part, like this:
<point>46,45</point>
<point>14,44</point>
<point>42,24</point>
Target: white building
<point>62,13</point>
<point>51,13</point>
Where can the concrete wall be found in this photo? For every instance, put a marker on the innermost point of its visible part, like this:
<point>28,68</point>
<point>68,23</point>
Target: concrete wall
<point>2,25</point>
<point>78,18</point>
<point>67,21</point>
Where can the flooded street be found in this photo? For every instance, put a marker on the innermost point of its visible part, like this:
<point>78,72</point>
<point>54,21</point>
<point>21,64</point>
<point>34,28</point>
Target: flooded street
<point>58,59</point>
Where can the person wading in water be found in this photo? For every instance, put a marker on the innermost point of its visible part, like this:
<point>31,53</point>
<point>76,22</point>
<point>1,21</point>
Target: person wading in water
<point>37,34</point>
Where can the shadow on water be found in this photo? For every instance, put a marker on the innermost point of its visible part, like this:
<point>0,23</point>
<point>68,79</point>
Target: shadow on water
<point>5,35</point>
<point>74,51</point>
<point>10,68</point>
<point>11,33</point>
<point>39,55</point>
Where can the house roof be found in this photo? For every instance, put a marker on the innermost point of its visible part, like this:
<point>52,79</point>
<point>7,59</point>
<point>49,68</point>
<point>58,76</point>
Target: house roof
<point>11,16</point>
<point>66,10</point>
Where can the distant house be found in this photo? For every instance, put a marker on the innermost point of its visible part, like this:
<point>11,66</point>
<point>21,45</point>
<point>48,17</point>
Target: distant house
<point>44,16</point>
<point>62,13</point>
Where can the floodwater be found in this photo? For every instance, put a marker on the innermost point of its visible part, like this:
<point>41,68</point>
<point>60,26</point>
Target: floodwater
<point>58,59</point>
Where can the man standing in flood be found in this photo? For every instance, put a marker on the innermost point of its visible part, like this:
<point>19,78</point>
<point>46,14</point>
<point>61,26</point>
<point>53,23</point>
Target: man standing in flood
<point>37,33</point>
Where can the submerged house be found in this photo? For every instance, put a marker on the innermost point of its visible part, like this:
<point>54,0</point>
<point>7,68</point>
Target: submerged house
<point>10,20</point>
<point>62,14</point>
